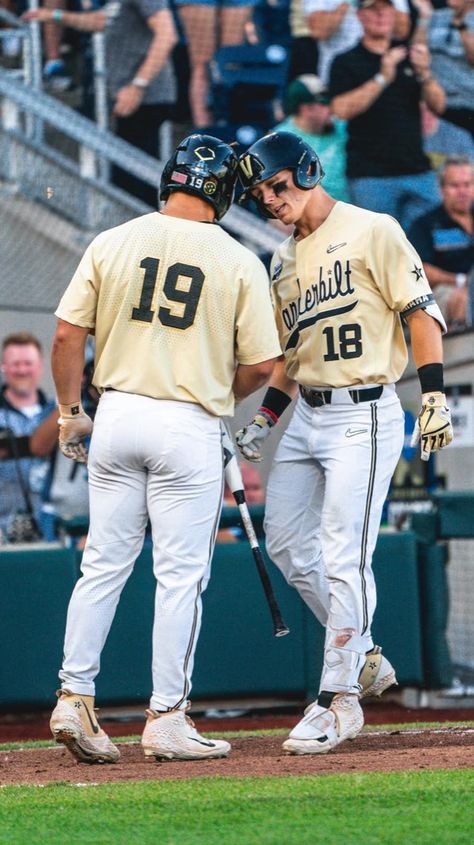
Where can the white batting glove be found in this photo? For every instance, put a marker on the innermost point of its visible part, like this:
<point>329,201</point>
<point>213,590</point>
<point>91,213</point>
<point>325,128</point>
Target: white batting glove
<point>250,438</point>
<point>74,426</point>
<point>433,426</point>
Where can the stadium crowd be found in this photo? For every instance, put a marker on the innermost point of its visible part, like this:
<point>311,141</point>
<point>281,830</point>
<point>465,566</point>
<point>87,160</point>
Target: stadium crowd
<point>383,90</point>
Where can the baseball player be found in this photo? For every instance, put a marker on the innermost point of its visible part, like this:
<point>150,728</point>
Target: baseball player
<point>341,283</point>
<point>172,300</point>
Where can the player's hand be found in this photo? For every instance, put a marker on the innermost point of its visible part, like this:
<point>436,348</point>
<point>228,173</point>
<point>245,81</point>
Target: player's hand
<point>250,438</point>
<point>433,427</point>
<point>74,427</point>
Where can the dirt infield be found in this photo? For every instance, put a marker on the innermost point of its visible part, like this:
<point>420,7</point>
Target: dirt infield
<point>382,751</point>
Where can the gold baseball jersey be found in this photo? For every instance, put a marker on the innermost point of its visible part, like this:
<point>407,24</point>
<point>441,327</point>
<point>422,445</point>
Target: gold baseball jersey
<point>339,296</point>
<point>175,306</point>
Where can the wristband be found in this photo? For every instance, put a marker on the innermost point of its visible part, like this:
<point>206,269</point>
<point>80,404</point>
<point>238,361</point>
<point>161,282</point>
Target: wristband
<point>57,15</point>
<point>73,409</point>
<point>461,279</point>
<point>274,403</point>
<point>379,78</point>
<point>140,82</point>
<point>431,378</point>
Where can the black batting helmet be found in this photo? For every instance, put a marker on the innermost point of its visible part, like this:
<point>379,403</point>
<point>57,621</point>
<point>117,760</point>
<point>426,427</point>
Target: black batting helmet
<point>272,153</point>
<point>204,166</point>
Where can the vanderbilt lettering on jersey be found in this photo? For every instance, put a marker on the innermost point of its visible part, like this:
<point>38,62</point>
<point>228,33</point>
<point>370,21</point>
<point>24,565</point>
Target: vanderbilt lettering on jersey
<point>336,284</point>
<point>339,320</point>
<point>182,299</point>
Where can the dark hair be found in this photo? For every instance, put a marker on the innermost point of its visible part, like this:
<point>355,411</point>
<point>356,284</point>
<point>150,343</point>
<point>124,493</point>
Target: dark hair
<point>22,339</point>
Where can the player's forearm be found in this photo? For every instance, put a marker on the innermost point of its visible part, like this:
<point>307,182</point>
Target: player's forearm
<point>425,334</point>
<point>280,380</point>
<point>250,377</point>
<point>67,361</point>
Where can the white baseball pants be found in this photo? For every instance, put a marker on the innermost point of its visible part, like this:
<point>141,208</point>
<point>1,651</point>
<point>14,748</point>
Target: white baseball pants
<point>162,459</point>
<point>325,494</point>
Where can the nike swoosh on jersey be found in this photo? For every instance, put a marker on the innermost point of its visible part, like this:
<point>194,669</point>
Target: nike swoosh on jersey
<point>351,432</point>
<point>336,246</point>
<point>310,321</point>
<point>201,742</point>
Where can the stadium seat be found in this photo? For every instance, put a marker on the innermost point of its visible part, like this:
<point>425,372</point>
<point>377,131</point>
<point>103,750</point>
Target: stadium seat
<point>246,80</point>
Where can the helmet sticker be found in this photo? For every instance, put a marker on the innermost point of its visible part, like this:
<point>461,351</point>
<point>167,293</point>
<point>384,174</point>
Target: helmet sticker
<point>204,153</point>
<point>179,177</point>
<point>210,187</point>
<point>246,166</point>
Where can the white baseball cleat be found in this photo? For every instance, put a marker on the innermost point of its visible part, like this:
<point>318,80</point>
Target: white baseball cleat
<point>74,724</point>
<point>377,674</point>
<point>173,736</point>
<point>323,728</point>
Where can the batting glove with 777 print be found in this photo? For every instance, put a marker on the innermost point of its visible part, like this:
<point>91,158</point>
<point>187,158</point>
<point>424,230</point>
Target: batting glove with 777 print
<point>250,438</point>
<point>433,427</point>
<point>74,426</point>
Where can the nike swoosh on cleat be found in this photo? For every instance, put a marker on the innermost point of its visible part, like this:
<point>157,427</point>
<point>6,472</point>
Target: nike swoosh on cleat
<point>336,246</point>
<point>352,432</point>
<point>201,742</point>
<point>94,727</point>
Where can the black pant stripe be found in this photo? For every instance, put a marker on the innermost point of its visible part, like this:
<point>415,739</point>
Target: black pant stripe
<point>368,505</point>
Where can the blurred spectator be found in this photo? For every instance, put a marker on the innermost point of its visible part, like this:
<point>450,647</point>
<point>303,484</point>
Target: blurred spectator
<point>140,35</point>
<point>307,107</point>
<point>304,54</point>
<point>378,88</point>
<point>442,139</point>
<point>449,34</point>
<point>444,239</point>
<point>22,407</point>
<point>209,24</point>
<point>254,494</point>
<point>56,76</point>
<point>337,28</point>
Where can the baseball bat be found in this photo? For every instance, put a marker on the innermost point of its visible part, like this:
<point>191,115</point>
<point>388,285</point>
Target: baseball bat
<point>233,476</point>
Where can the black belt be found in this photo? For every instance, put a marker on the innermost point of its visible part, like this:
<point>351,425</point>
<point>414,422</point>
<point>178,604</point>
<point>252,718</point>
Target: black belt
<point>317,398</point>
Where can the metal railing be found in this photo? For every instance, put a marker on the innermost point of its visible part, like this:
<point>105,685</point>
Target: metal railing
<point>27,113</point>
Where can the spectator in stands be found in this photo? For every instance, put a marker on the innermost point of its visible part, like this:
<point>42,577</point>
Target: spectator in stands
<point>23,406</point>
<point>449,34</point>
<point>307,108</point>
<point>209,24</point>
<point>304,54</point>
<point>337,28</point>
<point>444,239</point>
<point>377,88</point>
<point>442,139</point>
<point>140,35</point>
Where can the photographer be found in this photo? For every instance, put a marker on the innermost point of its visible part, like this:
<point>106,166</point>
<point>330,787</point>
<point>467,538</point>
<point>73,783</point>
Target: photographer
<point>23,406</point>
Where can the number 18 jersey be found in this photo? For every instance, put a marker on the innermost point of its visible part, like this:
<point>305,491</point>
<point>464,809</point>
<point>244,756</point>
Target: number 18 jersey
<point>339,294</point>
<point>175,305</point>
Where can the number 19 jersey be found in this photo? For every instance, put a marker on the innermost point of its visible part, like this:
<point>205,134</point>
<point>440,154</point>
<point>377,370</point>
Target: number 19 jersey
<point>175,305</point>
<point>339,294</point>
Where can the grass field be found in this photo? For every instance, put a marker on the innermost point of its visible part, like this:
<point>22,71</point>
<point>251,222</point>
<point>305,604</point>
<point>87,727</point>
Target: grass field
<point>410,808</point>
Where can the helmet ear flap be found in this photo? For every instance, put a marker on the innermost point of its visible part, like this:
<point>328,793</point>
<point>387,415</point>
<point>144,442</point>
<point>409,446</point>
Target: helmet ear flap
<point>309,172</point>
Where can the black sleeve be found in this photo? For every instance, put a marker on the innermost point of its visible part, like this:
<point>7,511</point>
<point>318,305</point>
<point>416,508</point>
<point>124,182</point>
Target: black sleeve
<point>419,234</point>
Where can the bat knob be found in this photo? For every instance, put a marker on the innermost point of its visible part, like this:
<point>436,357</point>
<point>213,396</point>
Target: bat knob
<point>281,631</point>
